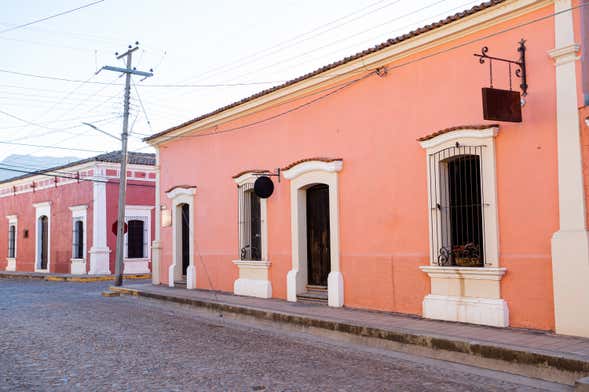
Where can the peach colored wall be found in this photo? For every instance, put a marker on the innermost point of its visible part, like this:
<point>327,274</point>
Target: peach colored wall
<point>373,126</point>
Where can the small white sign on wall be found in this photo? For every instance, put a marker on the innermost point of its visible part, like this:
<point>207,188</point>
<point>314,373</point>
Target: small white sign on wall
<point>166,218</point>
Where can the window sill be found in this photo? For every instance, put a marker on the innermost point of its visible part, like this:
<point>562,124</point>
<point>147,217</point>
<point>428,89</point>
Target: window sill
<point>138,259</point>
<point>482,273</point>
<point>252,263</point>
<point>78,260</point>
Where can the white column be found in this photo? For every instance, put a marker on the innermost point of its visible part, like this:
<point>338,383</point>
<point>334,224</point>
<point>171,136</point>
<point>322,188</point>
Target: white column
<point>156,247</point>
<point>570,245</point>
<point>99,253</point>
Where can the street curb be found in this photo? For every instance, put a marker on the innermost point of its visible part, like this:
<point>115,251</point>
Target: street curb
<point>78,279</point>
<point>545,366</point>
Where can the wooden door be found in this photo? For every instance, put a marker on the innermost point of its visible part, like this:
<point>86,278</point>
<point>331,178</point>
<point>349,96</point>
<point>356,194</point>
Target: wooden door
<point>185,238</point>
<point>318,244</point>
<point>44,241</point>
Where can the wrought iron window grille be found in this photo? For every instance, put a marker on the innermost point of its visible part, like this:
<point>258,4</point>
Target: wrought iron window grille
<point>457,206</point>
<point>249,223</point>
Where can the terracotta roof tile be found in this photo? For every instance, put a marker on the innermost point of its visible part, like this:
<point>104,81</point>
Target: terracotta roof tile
<point>290,166</point>
<point>376,48</point>
<point>250,171</point>
<point>134,158</point>
<point>446,130</point>
<point>180,186</point>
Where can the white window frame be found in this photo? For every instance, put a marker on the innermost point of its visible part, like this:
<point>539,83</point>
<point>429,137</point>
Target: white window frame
<point>40,210</point>
<point>12,221</point>
<point>244,179</point>
<point>469,137</point>
<point>79,213</point>
<point>141,213</point>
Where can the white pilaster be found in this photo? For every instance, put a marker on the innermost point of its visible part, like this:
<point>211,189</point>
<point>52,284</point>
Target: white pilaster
<point>156,247</point>
<point>570,245</point>
<point>99,253</point>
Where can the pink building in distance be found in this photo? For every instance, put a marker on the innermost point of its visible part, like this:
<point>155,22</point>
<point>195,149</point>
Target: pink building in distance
<point>60,220</point>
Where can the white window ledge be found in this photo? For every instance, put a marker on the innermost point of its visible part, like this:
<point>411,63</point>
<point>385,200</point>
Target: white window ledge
<point>252,263</point>
<point>483,273</point>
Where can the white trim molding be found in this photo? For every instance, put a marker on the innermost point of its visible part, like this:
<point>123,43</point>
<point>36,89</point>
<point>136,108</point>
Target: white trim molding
<point>138,265</point>
<point>78,265</point>
<point>469,137</point>
<point>253,277</point>
<point>42,209</point>
<point>11,261</point>
<point>156,246</point>
<point>310,166</point>
<point>570,244</point>
<point>180,196</point>
<point>465,294</point>
<point>303,176</point>
<point>99,252</point>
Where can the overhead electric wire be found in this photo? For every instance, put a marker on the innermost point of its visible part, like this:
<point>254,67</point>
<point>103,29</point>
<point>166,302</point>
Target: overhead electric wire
<point>63,79</point>
<point>49,173</point>
<point>50,17</point>
<point>372,72</point>
<point>240,62</point>
<point>52,147</point>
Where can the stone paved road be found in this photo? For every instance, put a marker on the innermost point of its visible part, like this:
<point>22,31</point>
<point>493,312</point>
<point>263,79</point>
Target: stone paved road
<point>66,337</point>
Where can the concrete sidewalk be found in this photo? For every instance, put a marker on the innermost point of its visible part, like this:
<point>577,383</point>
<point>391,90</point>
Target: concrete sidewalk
<point>66,277</point>
<point>538,354</point>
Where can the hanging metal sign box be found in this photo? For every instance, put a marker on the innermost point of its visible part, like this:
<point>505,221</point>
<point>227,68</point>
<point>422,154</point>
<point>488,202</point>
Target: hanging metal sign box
<point>504,105</point>
<point>501,105</point>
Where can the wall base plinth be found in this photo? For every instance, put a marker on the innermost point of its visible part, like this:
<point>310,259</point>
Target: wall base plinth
<point>253,279</point>
<point>191,277</point>
<point>335,289</point>
<point>78,266</point>
<point>11,265</point>
<point>99,261</point>
<point>140,266</point>
<point>253,288</point>
<point>570,274</point>
<point>482,311</point>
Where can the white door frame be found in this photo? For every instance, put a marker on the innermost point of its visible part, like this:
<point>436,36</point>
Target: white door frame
<point>303,176</point>
<point>179,196</point>
<point>42,209</point>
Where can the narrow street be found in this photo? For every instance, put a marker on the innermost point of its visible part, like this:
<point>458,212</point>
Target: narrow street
<point>65,336</point>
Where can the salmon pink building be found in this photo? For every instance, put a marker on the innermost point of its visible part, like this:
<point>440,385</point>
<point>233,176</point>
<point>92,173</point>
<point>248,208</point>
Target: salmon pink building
<point>391,191</point>
<point>60,220</point>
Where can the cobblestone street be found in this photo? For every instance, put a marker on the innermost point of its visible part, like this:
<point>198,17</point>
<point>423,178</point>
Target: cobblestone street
<point>65,336</point>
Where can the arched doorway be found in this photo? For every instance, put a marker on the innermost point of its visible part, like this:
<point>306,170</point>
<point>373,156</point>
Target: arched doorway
<point>43,242</point>
<point>318,242</point>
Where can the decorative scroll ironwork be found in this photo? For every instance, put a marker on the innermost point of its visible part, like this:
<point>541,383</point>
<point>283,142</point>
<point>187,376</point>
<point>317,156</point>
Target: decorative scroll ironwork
<point>520,71</point>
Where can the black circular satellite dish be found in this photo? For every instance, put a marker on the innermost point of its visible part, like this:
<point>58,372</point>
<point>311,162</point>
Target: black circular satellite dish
<point>263,187</point>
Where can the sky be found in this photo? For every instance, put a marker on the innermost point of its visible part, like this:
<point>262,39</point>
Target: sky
<point>204,55</point>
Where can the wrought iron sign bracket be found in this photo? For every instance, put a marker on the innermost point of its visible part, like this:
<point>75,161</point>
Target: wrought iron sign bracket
<point>520,72</point>
<point>269,174</point>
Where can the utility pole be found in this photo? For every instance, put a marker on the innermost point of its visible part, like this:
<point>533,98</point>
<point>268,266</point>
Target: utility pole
<point>123,168</point>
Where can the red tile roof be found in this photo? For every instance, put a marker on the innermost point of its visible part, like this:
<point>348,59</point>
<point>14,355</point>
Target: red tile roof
<point>386,44</point>
<point>308,160</point>
<point>446,130</point>
<point>249,171</point>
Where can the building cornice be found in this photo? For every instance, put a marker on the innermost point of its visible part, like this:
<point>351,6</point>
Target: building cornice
<point>438,36</point>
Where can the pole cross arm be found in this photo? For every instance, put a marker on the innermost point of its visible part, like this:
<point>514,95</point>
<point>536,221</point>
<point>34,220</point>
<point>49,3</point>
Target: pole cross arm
<point>126,70</point>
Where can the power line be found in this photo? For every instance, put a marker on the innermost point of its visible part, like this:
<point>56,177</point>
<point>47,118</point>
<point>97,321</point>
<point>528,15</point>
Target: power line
<point>50,17</point>
<point>62,79</point>
<point>240,61</point>
<point>389,68</point>
<point>51,147</point>
<point>49,173</point>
